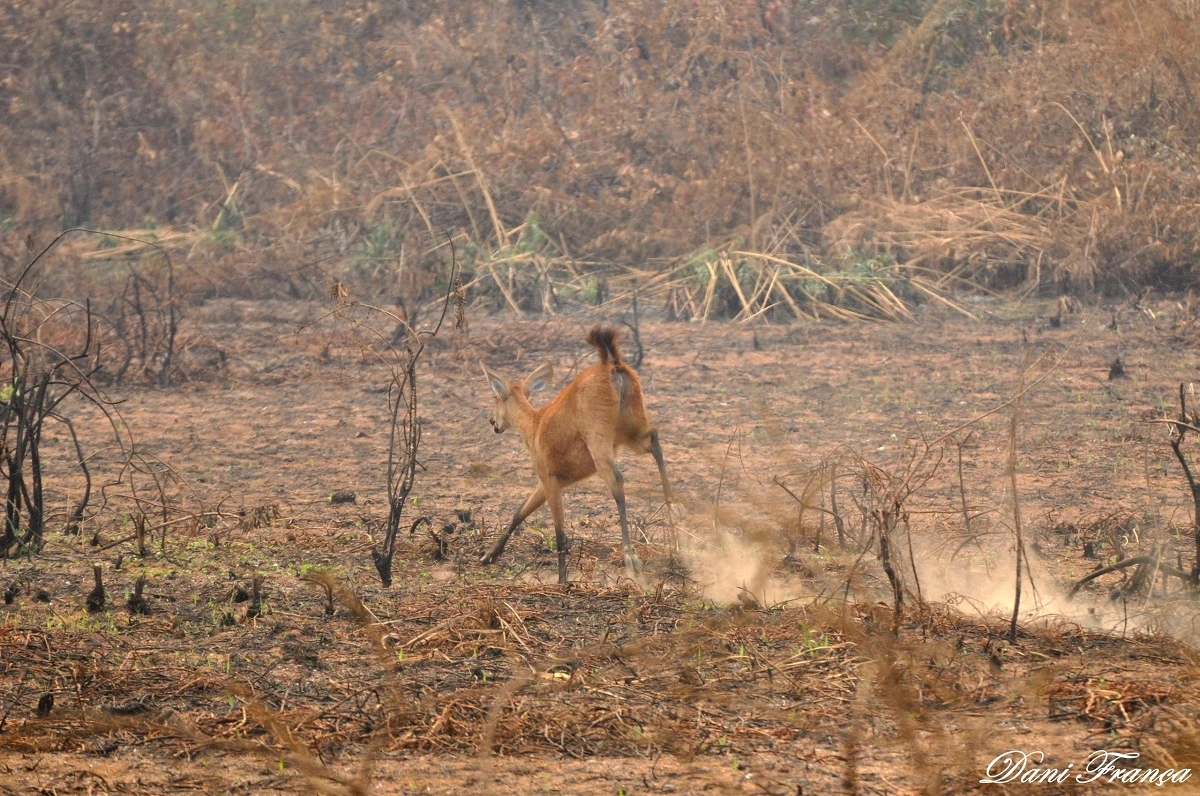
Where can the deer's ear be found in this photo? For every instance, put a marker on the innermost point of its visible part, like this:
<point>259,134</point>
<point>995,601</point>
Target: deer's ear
<point>539,378</point>
<point>499,386</point>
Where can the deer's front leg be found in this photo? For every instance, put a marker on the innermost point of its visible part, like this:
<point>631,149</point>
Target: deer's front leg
<point>532,504</point>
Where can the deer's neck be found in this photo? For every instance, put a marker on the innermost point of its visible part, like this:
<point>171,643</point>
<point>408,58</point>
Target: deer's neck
<point>524,417</point>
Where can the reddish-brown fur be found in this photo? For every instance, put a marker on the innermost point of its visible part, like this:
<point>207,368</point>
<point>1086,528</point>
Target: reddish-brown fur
<point>578,434</point>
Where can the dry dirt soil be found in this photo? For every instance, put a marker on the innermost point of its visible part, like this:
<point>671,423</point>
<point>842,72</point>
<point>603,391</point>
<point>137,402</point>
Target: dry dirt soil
<point>755,655</point>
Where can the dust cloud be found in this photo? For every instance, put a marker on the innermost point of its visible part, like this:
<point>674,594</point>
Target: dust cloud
<point>729,568</point>
<point>985,585</point>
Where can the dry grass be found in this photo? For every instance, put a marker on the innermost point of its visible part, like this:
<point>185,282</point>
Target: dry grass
<point>957,139</point>
<point>587,673</point>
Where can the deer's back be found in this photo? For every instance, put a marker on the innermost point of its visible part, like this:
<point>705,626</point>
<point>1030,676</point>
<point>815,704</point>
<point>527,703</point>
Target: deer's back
<point>601,399</point>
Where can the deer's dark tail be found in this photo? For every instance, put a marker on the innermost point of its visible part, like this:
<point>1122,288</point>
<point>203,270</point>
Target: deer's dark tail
<point>605,340</point>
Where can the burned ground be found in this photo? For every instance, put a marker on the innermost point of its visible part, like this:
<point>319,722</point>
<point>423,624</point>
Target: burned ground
<point>736,666</point>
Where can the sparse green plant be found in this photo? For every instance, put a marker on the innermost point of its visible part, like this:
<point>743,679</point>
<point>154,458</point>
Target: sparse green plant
<point>382,244</point>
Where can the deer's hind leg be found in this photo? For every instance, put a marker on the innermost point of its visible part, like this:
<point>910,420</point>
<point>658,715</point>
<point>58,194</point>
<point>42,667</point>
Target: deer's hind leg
<point>656,452</point>
<point>606,466</point>
<point>648,443</point>
<point>554,498</point>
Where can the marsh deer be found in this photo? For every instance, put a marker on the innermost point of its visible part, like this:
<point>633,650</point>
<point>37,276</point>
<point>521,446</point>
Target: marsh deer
<point>577,434</point>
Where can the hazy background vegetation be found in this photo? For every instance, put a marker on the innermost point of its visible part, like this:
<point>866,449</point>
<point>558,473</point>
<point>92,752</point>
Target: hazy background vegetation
<point>276,146</point>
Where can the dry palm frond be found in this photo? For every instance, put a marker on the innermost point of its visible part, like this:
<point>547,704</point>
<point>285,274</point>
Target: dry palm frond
<point>960,235</point>
<point>745,285</point>
<point>124,243</point>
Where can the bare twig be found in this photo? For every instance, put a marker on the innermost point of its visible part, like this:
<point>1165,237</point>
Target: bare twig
<point>1016,505</point>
